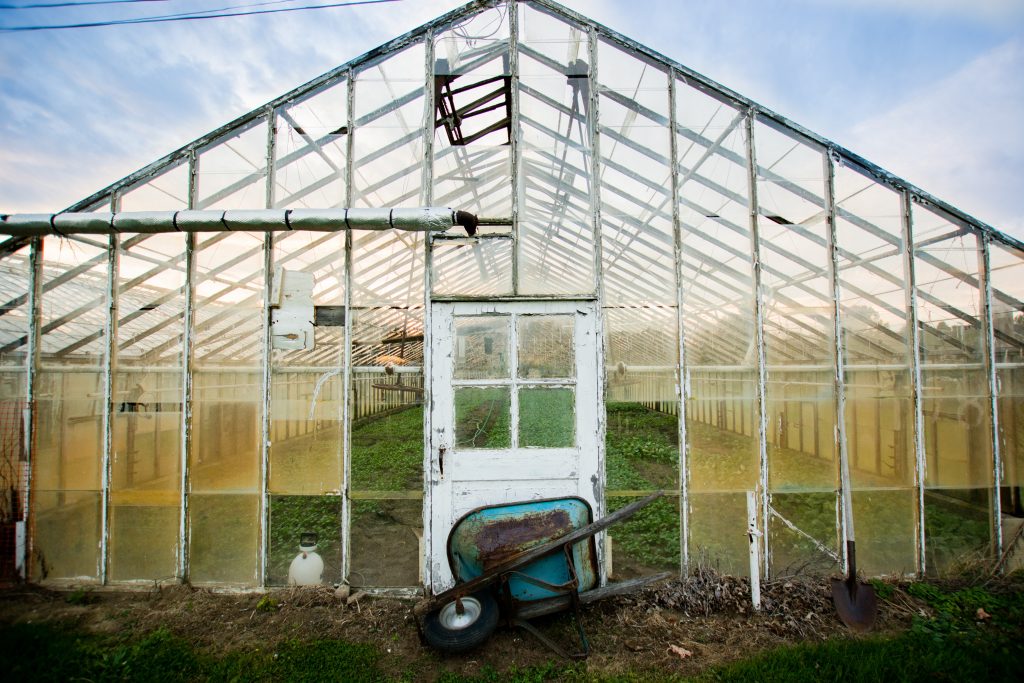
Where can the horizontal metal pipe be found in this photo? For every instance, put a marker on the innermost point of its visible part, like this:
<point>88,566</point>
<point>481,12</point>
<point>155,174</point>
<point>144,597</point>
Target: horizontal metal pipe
<point>428,219</point>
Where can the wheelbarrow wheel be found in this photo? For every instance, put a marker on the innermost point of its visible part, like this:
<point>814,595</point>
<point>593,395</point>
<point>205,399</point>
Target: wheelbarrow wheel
<point>450,629</point>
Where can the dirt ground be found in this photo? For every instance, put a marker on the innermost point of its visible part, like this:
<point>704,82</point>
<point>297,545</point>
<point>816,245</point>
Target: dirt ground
<point>678,627</point>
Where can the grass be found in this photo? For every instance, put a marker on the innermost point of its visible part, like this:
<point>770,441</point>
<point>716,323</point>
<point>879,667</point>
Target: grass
<point>41,652</point>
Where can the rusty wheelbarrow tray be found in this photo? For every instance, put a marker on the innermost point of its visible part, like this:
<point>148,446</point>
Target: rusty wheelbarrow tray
<point>535,557</point>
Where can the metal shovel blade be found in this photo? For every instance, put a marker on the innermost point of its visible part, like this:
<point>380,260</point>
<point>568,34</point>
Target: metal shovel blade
<point>855,600</point>
<point>856,604</point>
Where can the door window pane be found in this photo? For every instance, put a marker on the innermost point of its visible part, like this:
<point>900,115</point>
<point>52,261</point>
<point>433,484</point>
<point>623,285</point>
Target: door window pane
<point>546,417</point>
<point>481,347</point>
<point>482,417</point>
<point>545,346</point>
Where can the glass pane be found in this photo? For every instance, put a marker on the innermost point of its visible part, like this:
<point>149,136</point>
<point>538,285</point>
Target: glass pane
<point>386,539</point>
<point>876,345</point>
<point>472,157</point>
<point>546,346</point>
<point>68,526</point>
<point>547,417</point>
<point>166,192</point>
<point>14,329</point>
<point>69,457</point>
<point>556,245</point>
<point>638,257</point>
<point>481,347</point>
<point>387,167</point>
<point>1007,278</point>
<point>955,392</point>
<point>309,163</point>
<point>232,172</point>
<point>224,535</point>
<point>646,543</point>
<point>482,268</point>
<point>144,538</point>
<point>292,516</point>
<point>482,417</point>
<point>306,384</point>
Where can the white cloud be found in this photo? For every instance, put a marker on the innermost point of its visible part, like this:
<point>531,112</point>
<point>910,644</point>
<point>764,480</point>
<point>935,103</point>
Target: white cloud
<point>985,10</point>
<point>961,138</point>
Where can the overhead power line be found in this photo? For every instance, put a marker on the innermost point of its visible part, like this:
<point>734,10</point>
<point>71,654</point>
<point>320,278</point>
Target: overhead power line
<point>74,4</point>
<point>185,17</point>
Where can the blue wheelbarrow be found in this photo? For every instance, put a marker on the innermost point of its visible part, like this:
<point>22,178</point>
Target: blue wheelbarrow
<point>520,561</point>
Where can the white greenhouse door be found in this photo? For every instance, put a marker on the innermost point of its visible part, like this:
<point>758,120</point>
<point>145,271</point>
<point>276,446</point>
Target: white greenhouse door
<point>514,406</point>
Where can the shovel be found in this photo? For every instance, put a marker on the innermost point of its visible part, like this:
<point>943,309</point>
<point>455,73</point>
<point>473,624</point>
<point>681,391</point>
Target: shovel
<point>855,600</point>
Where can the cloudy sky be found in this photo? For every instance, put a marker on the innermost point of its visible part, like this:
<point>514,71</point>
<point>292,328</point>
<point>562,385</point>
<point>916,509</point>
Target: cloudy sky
<point>932,90</point>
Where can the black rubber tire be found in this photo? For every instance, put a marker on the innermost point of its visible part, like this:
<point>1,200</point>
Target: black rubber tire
<point>474,627</point>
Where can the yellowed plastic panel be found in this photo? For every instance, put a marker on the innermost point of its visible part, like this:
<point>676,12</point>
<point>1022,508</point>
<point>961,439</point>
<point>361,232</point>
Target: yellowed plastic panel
<point>879,407</point>
<point>228,350</point>
<point>145,463</point>
<point>1007,279</point>
<point>69,447</point>
<point>306,439</point>
<point>955,392</point>
<point>224,534</point>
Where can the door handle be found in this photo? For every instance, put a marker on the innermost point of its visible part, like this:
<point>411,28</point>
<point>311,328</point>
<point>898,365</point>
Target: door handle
<point>440,460</point>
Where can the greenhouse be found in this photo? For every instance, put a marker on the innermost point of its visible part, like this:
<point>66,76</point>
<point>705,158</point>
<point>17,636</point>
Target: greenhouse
<point>660,285</point>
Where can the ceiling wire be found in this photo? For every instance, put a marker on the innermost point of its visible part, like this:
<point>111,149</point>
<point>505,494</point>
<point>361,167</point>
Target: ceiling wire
<point>186,17</point>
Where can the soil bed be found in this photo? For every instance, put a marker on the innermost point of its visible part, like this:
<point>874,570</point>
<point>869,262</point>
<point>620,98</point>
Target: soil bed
<point>678,628</point>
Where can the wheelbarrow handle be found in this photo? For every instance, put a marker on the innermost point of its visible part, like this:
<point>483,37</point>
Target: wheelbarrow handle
<point>532,554</point>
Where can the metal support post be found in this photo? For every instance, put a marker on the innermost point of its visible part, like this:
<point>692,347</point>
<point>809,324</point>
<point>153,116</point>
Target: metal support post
<point>762,380</point>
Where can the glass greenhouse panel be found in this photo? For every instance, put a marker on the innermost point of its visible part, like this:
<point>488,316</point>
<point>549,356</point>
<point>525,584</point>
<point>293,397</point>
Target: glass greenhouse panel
<point>387,268</point>
<point>232,172</point>
<point>225,459</point>
<point>955,392</point>
<point>388,158</point>
<point>307,385</point>
<point>224,537</point>
<point>145,462</point>
<point>642,435</point>
<point>15,276</point>
<point>472,118</point>
<point>482,418</point>
<point>290,518</point>
<point>646,543</point>
<point>68,527</point>
<point>69,446</point>
<point>879,416</point>
<point>144,538</point>
<point>1007,281</point>
<point>718,317</point>
<point>311,140</point>
<point>482,347</point>
<point>547,417</point>
<point>798,326</point>
<point>636,184</point>
<point>545,347</point>
<point>386,536</point>
<point>386,462</point>
<point>482,268</point>
<point>556,234</point>
<point>167,191</point>
<point>15,279</point>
